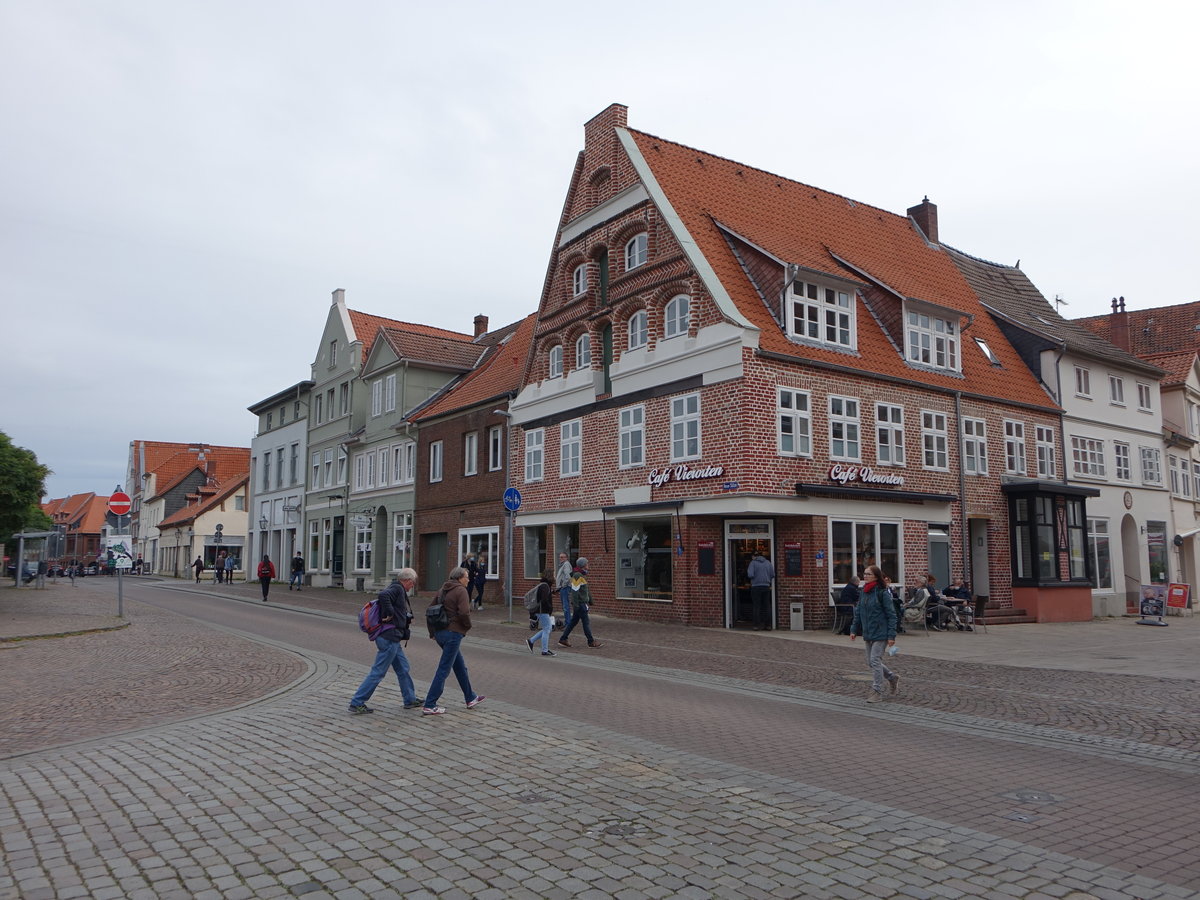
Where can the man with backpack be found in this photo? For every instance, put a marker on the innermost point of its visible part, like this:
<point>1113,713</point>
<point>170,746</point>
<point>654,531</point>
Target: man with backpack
<point>449,629</point>
<point>394,616</point>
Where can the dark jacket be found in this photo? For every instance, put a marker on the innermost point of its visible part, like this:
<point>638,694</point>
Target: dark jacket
<point>458,605</point>
<point>298,565</point>
<point>875,614</point>
<point>545,597</point>
<point>394,610</point>
<point>580,594</point>
<point>852,592</point>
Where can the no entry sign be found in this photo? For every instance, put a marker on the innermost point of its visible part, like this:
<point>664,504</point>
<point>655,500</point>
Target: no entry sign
<point>119,504</point>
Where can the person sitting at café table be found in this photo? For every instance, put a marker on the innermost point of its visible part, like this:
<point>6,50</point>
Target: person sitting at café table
<point>936,610</point>
<point>850,596</point>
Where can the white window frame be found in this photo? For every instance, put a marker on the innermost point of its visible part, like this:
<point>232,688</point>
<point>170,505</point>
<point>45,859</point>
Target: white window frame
<point>370,455</point>
<point>436,458</point>
<point>1087,457</point>
<point>377,397</point>
<point>637,251</point>
<point>389,393</point>
<point>685,428</point>
<point>1083,382</point>
<point>845,431</point>
<point>495,448</point>
<point>535,454</point>
<point>318,409</point>
<point>470,539</point>
<point>1116,390</point>
<point>1014,447</point>
<point>1151,462</point>
<point>360,468</point>
<point>935,453</point>
<point>328,466</point>
<point>1145,397</point>
<point>1097,533</point>
<point>975,446</point>
<point>932,341</point>
<point>823,314</point>
<point>570,446</point>
<point>1046,445</point>
<point>632,437</point>
<point>1196,479</point>
<point>333,351</point>
<point>556,361</point>
<point>342,462</point>
<point>579,280</point>
<point>889,434</point>
<point>344,398</point>
<point>382,469</point>
<point>316,469</point>
<point>793,422</point>
<point>471,453</point>
<point>402,529</point>
<point>677,316</point>
<point>1122,461</point>
<point>639,330</point>
<point>583,351</point>
<point>363,544</point>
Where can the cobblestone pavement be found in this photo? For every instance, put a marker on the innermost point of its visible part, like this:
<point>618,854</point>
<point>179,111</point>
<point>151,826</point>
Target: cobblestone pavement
<point>286,795</point>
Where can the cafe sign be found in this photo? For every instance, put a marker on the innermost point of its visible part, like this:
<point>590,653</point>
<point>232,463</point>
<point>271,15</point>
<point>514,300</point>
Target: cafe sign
<point>862,475</point>
<point>683,472</point>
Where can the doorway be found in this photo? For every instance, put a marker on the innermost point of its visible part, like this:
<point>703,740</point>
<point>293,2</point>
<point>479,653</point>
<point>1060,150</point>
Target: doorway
<point>743,539</point>
<point>434,549</point>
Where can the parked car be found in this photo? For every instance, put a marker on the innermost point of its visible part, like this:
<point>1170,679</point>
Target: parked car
<point>28,571</point>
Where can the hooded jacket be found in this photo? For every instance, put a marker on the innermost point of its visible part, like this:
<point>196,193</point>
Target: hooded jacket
<point>458,605</point>
<point>875,614</point>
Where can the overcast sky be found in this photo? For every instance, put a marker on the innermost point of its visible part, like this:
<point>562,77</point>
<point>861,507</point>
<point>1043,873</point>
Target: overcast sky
<point>183,184</point>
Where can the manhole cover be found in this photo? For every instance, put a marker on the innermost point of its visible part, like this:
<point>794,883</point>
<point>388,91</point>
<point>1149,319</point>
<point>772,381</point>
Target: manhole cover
<point>622,828</point>
<point>1028,795</point>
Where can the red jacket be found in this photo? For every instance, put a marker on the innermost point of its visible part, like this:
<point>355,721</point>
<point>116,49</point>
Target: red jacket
<point>266,568</point>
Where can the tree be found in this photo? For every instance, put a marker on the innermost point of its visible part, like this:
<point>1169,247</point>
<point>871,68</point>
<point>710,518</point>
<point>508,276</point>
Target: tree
<point>22,484</point>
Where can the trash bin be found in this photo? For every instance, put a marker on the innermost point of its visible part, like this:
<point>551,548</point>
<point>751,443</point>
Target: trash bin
<point>797,617</point>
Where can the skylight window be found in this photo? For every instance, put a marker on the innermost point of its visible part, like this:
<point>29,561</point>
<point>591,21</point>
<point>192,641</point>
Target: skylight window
<point>987,351</point>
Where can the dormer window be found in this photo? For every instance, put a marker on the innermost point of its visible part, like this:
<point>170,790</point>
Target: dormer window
<point>636,252</point>
<point>583,351</point>
<point>677,316</point>
<point>932,341</point>
<point>821,314</point>
<point>638,331</point>
<point>556,361</point>
<point>579,281</point>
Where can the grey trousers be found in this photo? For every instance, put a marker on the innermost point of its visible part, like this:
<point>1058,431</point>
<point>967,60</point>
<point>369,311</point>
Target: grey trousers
<point>875,660</point>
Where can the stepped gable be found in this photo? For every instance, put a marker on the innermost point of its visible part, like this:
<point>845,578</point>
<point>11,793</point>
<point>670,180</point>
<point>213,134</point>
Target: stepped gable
<point>801,225</point>
<point>1008,291</point>
<point>1162,329</point>
<point>367,327</point>
<point>497,377</point>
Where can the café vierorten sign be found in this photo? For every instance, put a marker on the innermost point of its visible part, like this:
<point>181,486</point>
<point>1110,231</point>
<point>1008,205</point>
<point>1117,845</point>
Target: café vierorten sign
<point>683,472</point>
<point>862,475</point>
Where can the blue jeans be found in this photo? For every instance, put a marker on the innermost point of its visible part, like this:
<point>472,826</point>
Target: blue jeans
<point>581,618</point>
<point>390,655</point>
<point>565,594</point>
<point>297,579</point>
<point>546,625</point>
<point>452,658</point>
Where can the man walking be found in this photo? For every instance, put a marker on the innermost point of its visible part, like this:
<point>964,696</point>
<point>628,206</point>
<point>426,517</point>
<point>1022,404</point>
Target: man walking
<point>761,574</point>
<point>562,581</point>
<point>229,567</point>
<point>297,577</point>
<point>395,614</point>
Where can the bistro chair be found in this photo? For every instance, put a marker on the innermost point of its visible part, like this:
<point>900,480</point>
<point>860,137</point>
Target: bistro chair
<point>979,613</point>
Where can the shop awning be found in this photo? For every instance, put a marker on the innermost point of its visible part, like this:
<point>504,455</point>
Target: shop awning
<point>862,493</point>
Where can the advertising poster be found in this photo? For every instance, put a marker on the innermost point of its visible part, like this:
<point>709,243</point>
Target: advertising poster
<point>1178,595</point>
<point>1154,601</point>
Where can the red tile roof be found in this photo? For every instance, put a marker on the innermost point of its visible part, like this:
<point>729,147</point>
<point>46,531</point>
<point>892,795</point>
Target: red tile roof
<point>498,375</point>
<point>1163,329</point>
<point>85,511</point>
<point>813,228</point>
<point>366,328</point>
<point>1177,366</point>
<point>219,464</point>
<point>460,353</point>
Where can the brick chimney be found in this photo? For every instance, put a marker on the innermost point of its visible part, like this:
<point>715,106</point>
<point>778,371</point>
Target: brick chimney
<point>925,215</point>
<point>1118,325</point>
<point>481,322</point>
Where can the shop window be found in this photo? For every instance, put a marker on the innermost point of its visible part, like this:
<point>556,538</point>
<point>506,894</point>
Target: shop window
<point>855,545</point>
<point>1042,525</point>
<point>1101,551</point>
<point>362,549</point>
<point>402,525</point>
<point>484,543</point>
<point>534,549</point>
<point>1156,549</point>
<point>643,558</point>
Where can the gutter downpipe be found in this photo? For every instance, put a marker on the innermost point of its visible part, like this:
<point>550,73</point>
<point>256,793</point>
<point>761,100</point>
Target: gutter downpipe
<point>968,568</point>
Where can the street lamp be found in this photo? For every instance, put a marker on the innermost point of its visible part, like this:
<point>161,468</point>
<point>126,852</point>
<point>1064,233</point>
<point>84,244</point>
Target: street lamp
<point>508,513</point>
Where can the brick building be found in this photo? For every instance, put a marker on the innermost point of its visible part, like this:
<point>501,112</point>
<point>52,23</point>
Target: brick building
<point>726,361</point>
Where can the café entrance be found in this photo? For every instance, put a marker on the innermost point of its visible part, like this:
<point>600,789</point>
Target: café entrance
<point>743,539</point>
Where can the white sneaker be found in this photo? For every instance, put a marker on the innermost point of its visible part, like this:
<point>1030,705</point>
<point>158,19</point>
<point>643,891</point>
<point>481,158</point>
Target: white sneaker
<point>433,710</point>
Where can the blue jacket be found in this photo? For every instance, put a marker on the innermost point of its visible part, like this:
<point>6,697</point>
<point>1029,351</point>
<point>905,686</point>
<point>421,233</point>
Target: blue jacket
<point>760,572</point>
<point>875,614</point>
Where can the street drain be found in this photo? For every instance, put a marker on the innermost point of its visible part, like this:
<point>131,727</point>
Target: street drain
<point>619,828</point>
<point>1021,817</point>
<point>1028,795</point>
<point>530,798</point>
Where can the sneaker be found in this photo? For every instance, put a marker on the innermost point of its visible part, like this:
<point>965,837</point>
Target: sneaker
<point>595,645</point>
<point>529,644</point>
<point>361,710</point>
<point>894,683</point>
<point>433,710</point>
<point>479,698</point>
<point>415,704</point>
<point>563,642</point>
<point>875,697</point>
<point>548,653</point>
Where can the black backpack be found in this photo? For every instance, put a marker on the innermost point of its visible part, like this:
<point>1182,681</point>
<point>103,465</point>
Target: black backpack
<point>437,617</point>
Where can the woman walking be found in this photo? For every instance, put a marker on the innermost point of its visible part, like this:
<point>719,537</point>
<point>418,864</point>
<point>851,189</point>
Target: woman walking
<point>266,574</point>
<point>875,620</point>
<point>457,602</point>
<point>545,619</point>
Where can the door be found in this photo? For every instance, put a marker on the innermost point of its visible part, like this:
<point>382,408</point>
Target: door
<point>435,570</point>
<point>339,547</point>
<point>743,539</point>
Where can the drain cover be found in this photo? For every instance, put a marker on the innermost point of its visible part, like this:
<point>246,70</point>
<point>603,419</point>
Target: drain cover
<point>530,798</point>
<point>1029,795</point>
<point>1021,817</point>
